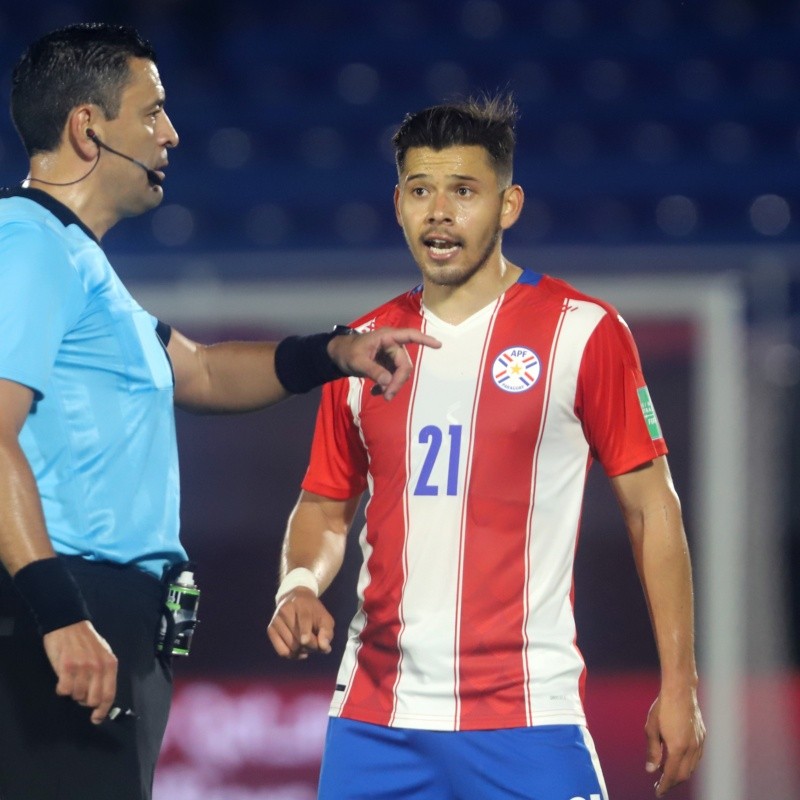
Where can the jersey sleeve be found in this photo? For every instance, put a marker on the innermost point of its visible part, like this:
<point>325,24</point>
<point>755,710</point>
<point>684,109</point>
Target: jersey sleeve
<point>613,402</point>
<point>338,463</point>
<point>41,298</point>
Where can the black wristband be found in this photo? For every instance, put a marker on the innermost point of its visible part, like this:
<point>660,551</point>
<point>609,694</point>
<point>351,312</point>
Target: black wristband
<point>302,362</point>
<point>52,594</point>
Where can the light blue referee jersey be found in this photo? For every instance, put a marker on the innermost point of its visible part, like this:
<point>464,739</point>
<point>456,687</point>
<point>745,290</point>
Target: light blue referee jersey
<point>100,436</point>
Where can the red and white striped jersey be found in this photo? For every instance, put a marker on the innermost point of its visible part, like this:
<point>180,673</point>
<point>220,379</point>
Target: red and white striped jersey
<point>476,474</point>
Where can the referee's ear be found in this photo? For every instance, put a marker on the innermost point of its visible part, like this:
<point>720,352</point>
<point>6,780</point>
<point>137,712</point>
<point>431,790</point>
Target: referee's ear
<point>75,138</point>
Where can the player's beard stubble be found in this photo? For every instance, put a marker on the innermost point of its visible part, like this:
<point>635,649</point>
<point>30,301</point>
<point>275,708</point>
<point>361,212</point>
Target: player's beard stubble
<point>457,274</point>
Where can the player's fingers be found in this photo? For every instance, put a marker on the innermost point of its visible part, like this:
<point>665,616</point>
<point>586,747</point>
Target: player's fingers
<point>278,644</point>
<point>690,761</point>
<point>663,785</point>
<point>700,734</point>
<point>698,756</point>
<point>325,633</point>
<point>304,627</point>
<point>282,637</point>
<point>655,752</point>
<point>679,765</point>
<point>693,756</point>
<point>675,771</point>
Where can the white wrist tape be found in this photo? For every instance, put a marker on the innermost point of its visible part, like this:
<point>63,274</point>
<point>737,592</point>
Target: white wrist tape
<point>299,576</point>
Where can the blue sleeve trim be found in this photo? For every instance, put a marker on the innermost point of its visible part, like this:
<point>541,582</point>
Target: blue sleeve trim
<point>163,331</point>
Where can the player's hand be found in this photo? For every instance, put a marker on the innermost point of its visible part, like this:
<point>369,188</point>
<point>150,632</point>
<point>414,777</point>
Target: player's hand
<point>84,665</point>
<point>300,624</point>
<point>379,355</point>
<point>675,735</point>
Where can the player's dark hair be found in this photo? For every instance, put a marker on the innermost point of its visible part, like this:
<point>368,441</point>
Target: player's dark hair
<point>486,121</point>
<point>83,63</point>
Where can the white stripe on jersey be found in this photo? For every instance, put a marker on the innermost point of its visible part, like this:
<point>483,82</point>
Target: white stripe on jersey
<point>446,382</point>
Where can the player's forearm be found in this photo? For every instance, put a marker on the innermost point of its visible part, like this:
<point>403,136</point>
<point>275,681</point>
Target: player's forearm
<point>316,537</point>
<point>662,557</point>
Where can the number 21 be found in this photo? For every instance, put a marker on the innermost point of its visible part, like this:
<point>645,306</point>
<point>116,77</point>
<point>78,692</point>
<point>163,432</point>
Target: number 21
<point>433,436</point>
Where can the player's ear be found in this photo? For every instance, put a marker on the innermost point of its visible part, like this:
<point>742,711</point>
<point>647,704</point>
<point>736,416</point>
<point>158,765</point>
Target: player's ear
<point>513,200</point>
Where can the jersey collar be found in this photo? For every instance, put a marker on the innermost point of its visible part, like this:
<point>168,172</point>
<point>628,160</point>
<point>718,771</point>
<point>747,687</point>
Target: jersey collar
<point>64,215</point>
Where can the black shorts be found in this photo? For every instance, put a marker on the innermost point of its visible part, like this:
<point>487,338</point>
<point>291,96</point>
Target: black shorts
<point>49,749</point>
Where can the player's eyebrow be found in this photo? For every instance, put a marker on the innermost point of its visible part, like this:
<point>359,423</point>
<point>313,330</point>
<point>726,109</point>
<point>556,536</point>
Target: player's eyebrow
<point>456,176</point>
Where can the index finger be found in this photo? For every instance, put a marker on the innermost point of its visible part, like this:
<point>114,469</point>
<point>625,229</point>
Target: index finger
<point>412,336</point>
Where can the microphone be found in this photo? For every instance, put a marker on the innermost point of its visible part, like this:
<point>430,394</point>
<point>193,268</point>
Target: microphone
<point>153,178</point>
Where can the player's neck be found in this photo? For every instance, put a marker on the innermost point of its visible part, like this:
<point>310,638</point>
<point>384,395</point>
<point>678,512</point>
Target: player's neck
<point>455,303</point>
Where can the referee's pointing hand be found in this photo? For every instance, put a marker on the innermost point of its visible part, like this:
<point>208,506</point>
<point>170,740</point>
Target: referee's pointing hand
<point>379,355</point>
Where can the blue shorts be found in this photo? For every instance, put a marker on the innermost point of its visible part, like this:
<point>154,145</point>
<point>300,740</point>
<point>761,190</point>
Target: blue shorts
<point>545,762</point>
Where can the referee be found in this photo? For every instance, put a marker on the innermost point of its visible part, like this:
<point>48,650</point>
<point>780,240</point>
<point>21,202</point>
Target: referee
<point>89,488</point>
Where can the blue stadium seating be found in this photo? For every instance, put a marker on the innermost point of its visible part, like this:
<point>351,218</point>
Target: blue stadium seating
<point>643,122</point>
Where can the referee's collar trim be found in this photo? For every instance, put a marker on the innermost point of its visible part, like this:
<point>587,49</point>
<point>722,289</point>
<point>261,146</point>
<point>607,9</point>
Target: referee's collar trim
<point>64,215</point>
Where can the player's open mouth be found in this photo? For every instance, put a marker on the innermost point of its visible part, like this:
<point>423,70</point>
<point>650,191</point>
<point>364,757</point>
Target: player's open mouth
<point>441,248</point>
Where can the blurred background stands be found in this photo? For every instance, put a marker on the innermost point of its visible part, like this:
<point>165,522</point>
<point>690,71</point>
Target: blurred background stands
<point>651,122</point>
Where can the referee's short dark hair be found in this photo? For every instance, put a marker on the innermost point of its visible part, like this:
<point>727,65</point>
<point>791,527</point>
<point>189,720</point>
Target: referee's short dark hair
<point>83,63</point>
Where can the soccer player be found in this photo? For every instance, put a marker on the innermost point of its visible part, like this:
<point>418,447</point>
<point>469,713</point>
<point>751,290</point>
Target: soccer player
<point>89,488</point>
<point>461,676</point>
